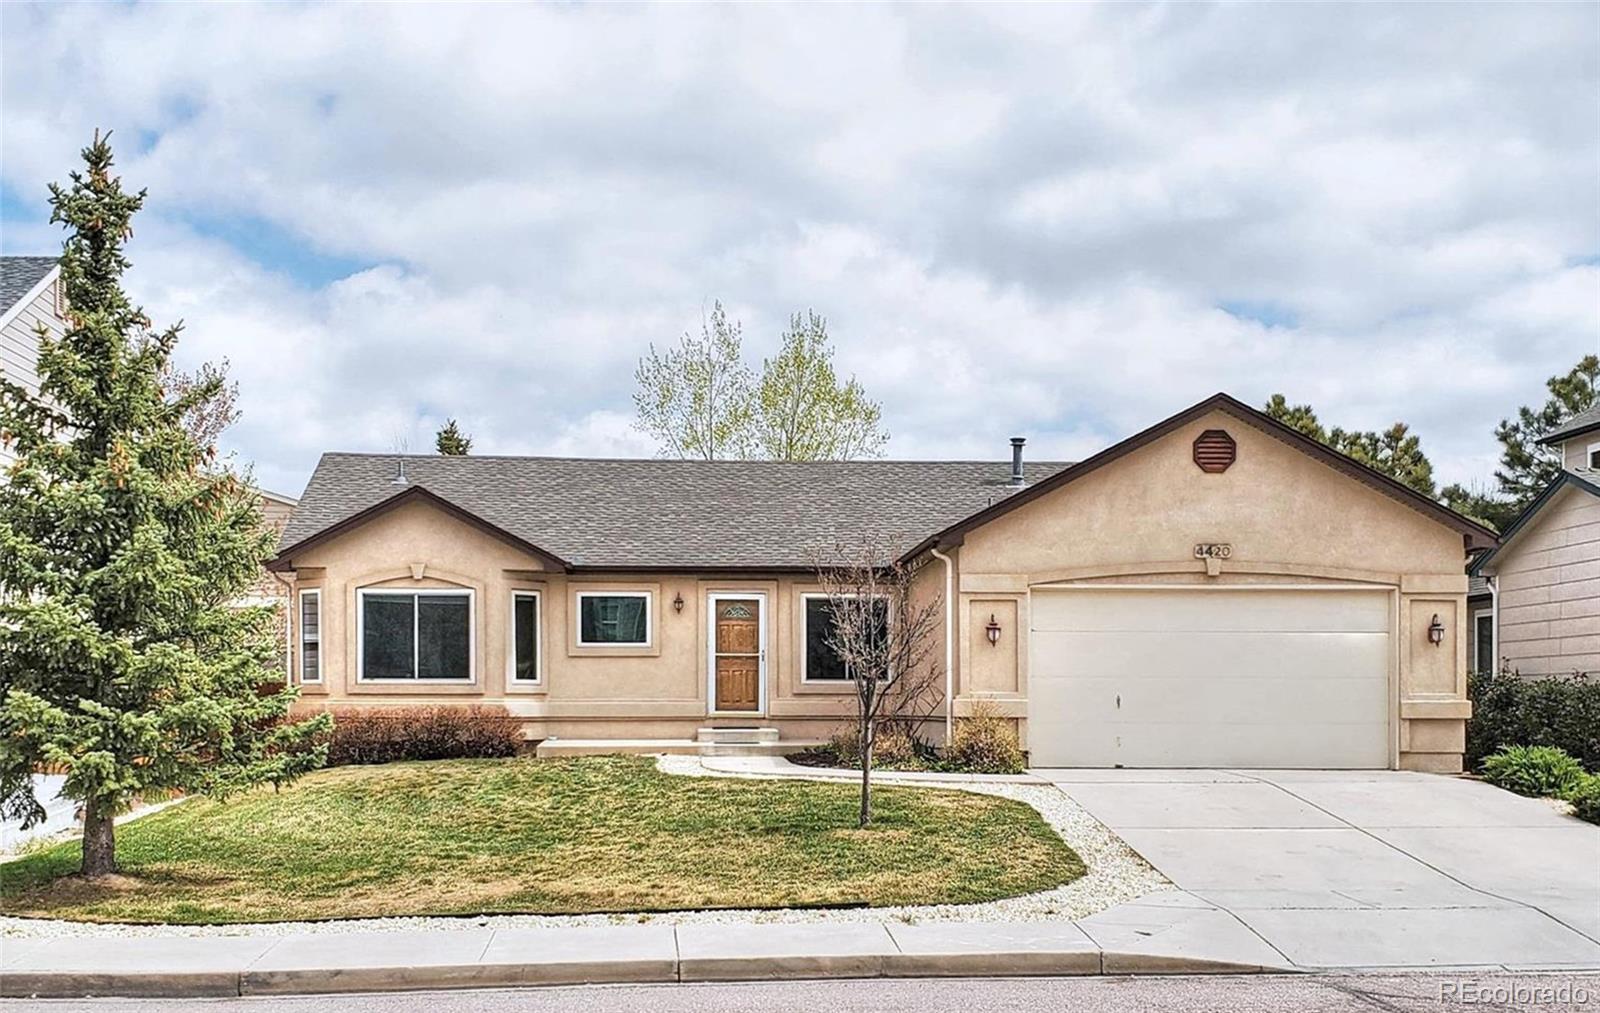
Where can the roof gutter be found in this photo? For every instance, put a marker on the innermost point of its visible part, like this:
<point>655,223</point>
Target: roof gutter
<point>1494,623</point>
<point>1552,439</point>
<point>949,643</point>
<point>289,619</point>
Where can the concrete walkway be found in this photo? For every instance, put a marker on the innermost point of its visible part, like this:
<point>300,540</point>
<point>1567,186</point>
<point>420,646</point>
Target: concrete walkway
<point>1195,939</point>
<point>1366,868</point>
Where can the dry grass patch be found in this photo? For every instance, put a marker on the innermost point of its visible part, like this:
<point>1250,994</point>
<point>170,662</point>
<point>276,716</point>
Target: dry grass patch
<point>573,836</point>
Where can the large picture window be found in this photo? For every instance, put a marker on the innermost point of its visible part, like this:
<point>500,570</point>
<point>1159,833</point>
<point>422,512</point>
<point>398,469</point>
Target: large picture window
<point>416,635</point>
<point>311,636</point>
<point>820,662</point>
<point>525,636</point>
<point>614,619</point>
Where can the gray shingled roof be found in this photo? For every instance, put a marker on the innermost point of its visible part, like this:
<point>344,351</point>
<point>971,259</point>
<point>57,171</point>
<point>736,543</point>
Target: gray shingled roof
<point>18,275</point>
<point>1589,418</point>
<point>660,513</point>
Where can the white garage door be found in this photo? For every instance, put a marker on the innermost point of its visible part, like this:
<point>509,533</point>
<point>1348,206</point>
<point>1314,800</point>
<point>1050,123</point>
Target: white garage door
<point>1209,678</point>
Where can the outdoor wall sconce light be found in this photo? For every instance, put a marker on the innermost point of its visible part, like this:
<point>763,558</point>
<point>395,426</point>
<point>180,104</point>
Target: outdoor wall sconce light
<point>677,602</point>
<point>1436,631</point>
<point>993,630</point>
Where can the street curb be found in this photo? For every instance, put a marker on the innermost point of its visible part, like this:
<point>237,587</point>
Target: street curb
<point>23,984</point>
<point>310,981</point>
<point>125,984</point>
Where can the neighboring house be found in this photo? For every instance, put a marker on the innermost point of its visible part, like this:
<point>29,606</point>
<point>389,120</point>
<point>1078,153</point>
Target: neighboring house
<point>1217,590</point>
<point>30,298</point>
<point>1542,614</point>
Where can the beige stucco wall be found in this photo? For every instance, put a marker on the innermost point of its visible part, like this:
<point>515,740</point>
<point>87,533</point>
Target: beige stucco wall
<point>1549,582</point>
<point>585,692</point>
<point>1289,519</point>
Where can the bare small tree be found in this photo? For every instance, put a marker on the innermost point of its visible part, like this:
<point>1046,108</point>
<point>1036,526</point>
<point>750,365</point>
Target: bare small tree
<point>208,402</point>
<point>885,638</point>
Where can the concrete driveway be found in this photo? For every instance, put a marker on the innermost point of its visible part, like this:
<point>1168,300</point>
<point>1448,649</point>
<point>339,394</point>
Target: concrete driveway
<point>1365,868</point>
<point>60,814</point>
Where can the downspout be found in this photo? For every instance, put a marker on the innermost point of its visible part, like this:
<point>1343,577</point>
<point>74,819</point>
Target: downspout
<point>1494,623</point>
<point>288,627</point>
<point>949,644</point>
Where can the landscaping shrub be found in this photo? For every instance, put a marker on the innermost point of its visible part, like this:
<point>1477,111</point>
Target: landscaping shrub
<point>421,733</point>
<point>1585,798</point>
<point>1534,770</point>
<point>1559,711</point>
<point>892,746</point>
<point>985,742</point>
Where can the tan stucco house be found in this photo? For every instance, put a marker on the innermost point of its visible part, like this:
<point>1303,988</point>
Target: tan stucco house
<point>1541,613</point>
<point>1217,590</point>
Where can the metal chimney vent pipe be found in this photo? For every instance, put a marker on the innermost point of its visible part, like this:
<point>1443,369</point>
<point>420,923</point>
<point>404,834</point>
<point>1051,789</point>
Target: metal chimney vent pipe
<point>1016,460</point>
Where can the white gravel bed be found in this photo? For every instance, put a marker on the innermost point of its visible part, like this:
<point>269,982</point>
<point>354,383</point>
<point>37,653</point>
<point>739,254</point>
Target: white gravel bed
<point>1116,874</point>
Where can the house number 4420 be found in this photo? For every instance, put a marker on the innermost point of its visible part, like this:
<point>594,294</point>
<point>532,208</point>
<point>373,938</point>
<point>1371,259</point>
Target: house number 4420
<point>1212,550</point>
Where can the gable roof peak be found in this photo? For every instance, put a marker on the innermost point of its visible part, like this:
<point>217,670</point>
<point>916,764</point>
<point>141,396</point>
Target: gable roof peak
<point>1584,481</point>
<point>1476,535</point>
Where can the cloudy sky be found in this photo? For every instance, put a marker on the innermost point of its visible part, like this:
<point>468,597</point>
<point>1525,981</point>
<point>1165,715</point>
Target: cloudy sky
<point>1062,222</point>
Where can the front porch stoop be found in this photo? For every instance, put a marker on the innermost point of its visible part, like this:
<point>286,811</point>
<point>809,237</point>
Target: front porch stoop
<point>708,741</point>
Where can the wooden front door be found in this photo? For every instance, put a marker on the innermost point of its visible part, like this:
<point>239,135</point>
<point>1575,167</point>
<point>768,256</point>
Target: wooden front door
<point>736,654</point>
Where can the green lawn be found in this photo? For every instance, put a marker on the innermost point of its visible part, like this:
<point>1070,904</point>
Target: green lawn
<point>545,836</point>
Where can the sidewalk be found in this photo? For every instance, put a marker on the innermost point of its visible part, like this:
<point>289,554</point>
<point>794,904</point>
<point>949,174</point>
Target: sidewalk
<point>1164,933</point>
<point>1285,871</point>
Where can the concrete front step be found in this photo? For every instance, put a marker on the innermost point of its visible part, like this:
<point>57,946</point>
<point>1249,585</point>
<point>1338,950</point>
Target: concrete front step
<point>783,748</point>
<point>676,747</point>
<point>739,734</point>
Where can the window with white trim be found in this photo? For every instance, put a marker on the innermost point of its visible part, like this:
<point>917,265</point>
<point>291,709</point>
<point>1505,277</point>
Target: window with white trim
<point>819,661</point>
<point>311,636</point>
<point>525,636</point>
<point>1593,457</point>
<point>421,636</point>
<point>1483,641</point>
<point>614,619</point>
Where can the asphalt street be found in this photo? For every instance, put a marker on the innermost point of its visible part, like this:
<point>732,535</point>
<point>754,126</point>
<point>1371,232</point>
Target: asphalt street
<point>1472,990</point>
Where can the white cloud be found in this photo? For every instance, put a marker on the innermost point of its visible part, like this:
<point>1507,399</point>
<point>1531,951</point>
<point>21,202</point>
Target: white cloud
<point>1017,220</point>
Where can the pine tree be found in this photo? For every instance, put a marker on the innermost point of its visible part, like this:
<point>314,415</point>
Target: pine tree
<point>1396,451</point>
<point>451,441</point>
<point>1526,467</point>
<point>124,663</point>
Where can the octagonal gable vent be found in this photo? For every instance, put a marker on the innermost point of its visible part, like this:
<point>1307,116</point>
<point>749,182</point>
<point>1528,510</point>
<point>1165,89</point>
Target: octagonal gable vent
<point>1215,451</point>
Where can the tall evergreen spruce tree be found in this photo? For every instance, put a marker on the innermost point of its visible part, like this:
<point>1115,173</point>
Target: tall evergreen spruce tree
<point>123,663</point>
